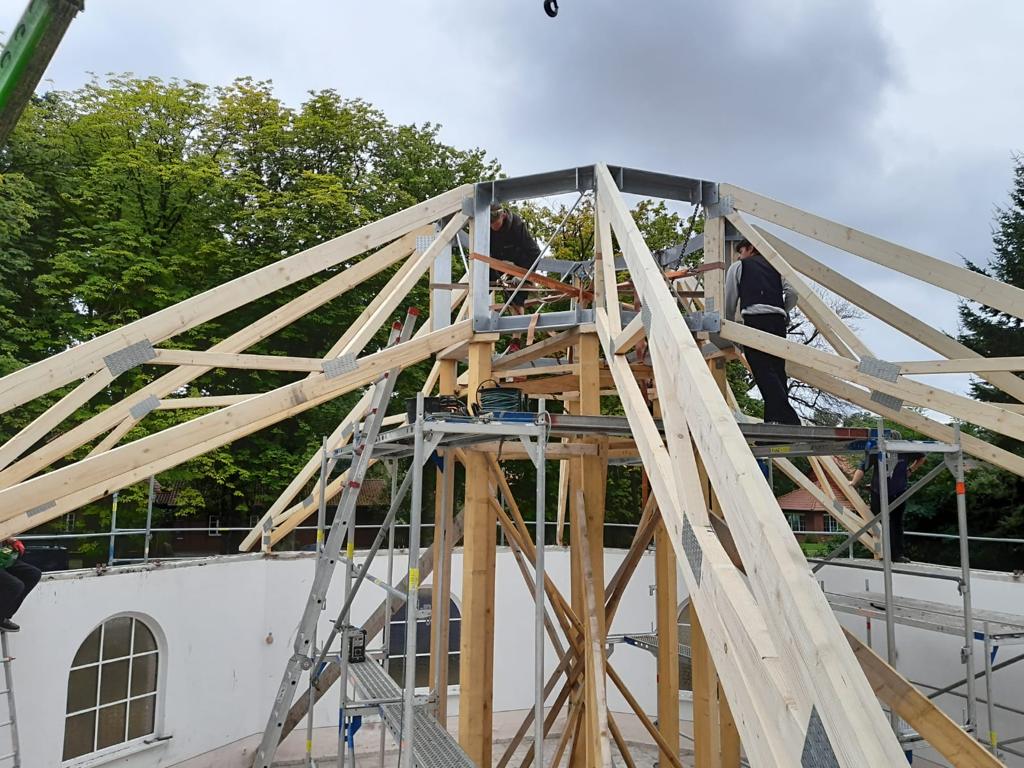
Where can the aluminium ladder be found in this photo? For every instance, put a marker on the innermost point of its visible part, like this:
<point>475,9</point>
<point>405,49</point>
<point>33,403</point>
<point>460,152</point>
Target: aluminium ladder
<point>15,754</point>
<point>304,650</point>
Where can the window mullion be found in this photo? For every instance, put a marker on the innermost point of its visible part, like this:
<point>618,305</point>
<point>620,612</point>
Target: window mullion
<point>128,690</point>
<point>99,682</point>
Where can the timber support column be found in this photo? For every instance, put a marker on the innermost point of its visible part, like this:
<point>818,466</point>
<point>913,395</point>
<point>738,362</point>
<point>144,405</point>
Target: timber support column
<point>668,640</point>
<point>589,474</point>
<point>479,541</point>
<point>716,252</point>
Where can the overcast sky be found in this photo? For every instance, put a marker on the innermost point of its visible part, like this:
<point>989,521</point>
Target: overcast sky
<point>900,118</point>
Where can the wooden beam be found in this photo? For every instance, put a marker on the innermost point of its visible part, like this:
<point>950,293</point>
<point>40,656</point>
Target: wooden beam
<point>509,268</point>
<point>907,417</point>
<point>963,365</point>
<point>595,701</point>
<point>563,499</point>
<point>843,340</point>
<point>604,255</point>
<point>667,612</point>
<point>940,731</point>
<point>952,278</point>
<point>833,508</point>
<point>180,377</point>
<point>477,646</point>
<point>628,337</point>
<point>245,362</point>
<point>707,746</point>
<point>558,342</point>
<point>172,446</point>
<point>86,358</point>
<point>985,415</point>
<point>754,672</point>
<point>645,721</point>
<point>715,251</point>
<point>210,401</point>
<point>359,334</point>
<point>822,671</point>
<point>920,712</point>
<point>54,415</point>
<point>902,321</point>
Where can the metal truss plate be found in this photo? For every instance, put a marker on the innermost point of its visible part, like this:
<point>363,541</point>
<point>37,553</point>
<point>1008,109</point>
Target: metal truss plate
<point>129,357</point>
<point>880,369</point>
<point>144,407</point>
<point>723,207</point>
<point>817,752</point>
<point>41,508</point>
<point>704,321</point>
<point>340,365</point>
<point>645,318</point>
<point>888,401</point>
<point>694,554</point>
<point>424,241</point>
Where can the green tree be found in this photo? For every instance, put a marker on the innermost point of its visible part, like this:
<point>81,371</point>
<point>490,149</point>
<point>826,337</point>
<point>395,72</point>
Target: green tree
<point>130,194</point>
<point>989,331</point>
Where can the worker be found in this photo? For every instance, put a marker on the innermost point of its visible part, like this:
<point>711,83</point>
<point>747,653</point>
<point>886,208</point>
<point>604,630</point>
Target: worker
<point>511,241</point>
<point>899,467</point>
<point>17,579</point>
<point>764,301</point>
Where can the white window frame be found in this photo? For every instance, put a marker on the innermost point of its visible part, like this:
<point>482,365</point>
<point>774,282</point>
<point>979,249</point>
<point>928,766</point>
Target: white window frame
<point>832,525</point>
<point>140,743</point>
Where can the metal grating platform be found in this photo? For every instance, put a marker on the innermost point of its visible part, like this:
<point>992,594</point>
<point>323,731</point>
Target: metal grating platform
<point>1003,628</point>
<point>433,746</point>
<point>648,641</point>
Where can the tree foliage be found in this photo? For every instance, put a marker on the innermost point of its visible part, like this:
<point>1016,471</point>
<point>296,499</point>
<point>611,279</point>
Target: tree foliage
<point>131,194</point>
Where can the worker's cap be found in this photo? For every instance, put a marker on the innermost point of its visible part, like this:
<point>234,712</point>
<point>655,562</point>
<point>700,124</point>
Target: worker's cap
<point>496,210</point>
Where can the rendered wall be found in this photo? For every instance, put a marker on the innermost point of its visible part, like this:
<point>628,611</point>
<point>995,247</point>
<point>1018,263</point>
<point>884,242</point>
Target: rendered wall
<point>218,672</point>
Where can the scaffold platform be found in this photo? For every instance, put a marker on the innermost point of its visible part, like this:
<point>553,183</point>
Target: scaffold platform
<point>433,746</point>
<point>1003,628</point>
<point>765,440</point>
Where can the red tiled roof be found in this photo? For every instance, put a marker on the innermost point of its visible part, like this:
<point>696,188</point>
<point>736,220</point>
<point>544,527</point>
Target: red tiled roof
<point>802,501</point>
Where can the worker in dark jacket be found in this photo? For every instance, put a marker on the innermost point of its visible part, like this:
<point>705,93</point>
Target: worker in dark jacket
<point>17,579</point>
<point>511,241</point>
<point>764,300</point>
<point>900,466</point>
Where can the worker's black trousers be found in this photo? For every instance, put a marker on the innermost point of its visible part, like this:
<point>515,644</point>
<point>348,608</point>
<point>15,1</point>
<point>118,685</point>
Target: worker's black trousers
<point>896,550</point>
<point>16,581</point>
<point>770,371</point>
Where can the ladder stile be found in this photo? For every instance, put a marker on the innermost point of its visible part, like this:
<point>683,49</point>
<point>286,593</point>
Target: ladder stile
<point>15,753</point>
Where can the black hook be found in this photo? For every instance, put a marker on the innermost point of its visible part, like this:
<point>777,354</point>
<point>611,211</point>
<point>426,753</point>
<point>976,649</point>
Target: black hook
<point>551,8</point>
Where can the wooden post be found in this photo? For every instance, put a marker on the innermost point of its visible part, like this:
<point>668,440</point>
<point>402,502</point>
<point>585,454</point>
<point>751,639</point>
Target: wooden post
<point>705,715</point>
<point>476,672</point>
<point>589,475</point>
<point>668,639</point>
<point>444,496</point>
<point>715,250</point>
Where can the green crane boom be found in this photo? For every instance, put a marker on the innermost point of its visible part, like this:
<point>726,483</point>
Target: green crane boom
<point>28,52</point>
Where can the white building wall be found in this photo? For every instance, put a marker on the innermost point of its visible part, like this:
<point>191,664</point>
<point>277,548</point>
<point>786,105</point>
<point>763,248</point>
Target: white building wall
<point>219,673</point>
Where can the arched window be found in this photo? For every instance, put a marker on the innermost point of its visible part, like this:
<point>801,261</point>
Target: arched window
<point>112,689</point>
<point>396,643</point>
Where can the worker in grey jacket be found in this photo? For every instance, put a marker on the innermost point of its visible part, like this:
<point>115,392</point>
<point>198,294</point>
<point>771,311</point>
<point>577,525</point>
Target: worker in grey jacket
<point>763,299</point>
